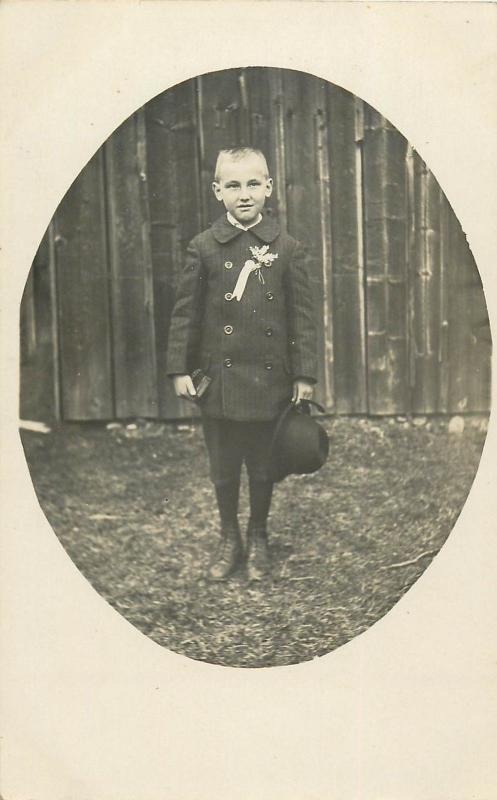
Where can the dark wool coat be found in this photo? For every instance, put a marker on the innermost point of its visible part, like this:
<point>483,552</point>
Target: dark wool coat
<point>254,348</point>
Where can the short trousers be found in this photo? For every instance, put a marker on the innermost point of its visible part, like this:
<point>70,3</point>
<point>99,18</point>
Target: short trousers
<point>231,443</point>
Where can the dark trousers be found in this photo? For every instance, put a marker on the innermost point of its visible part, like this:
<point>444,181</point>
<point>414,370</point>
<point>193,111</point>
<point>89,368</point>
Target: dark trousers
<point>231,443</point>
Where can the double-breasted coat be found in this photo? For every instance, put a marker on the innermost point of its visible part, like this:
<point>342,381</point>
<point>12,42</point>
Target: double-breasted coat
<point>252,349</point>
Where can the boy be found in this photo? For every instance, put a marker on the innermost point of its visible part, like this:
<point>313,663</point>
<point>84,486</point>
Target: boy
<point>244,316</point>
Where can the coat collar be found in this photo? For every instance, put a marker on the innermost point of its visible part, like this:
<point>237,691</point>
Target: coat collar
<point>266,230</point>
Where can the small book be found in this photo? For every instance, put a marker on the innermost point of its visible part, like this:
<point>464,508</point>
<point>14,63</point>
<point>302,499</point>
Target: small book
<point>201,382</point>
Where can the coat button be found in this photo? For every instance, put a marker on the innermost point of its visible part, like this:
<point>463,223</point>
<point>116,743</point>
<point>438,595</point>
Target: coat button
<point>227,362</point>
<point>268,365</point>
<point>228,329</point>
<point>228,296</point>
<point>269,296</point>
<point>268,331</point>
<point>228,264</point>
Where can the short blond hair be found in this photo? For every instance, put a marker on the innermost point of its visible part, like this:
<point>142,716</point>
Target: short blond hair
<point>237,154</point>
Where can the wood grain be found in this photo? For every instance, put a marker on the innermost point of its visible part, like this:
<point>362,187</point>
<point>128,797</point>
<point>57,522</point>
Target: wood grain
<point>385,246</point>
<point>401,314</point>
<point>135,368</point>
<point>174,201</point>
<point>81,285</point>
<point>346,129</point>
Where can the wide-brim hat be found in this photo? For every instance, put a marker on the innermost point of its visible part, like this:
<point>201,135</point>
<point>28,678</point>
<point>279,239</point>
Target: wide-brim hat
<point>300,445</point>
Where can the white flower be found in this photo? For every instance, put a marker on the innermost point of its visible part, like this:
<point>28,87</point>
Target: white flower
<point>262,255</point>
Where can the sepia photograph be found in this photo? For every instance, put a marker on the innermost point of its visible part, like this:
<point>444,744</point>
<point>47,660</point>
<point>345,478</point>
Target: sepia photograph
<point>255,367</point>
<point>248,377</point>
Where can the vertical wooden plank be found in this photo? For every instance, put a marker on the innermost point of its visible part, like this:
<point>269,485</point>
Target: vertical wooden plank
<point>55,349</point>
<point>174,200</point>
<point>265,97</point>
<point>443,349</point>
<point>79,244</point>
<point>459,344</point>
<point>308,217</point>
<point>469,332</point>
<point>429,397</point>
<point>38,385</point>
<point>28,318</point>
<point>425,286</point>
<point>385,247</point>
<point>279,145</point>
<point>28,350</point>
<point>27,329</point>
<point>479,377</point>
<point>323,159</point>
<point>260,102</point>
<point>346,137</point>
<point>223,123</point>
<point>362,400</point>
<point>135,369</point>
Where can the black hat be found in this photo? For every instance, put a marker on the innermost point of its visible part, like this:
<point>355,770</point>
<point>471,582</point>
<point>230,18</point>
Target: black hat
<point>300,444</point>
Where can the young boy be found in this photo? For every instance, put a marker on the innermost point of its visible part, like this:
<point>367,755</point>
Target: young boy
<point>244,316</point>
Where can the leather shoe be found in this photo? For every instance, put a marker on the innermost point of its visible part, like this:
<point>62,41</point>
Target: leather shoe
<point>228,555</point>
<point>258,561</point>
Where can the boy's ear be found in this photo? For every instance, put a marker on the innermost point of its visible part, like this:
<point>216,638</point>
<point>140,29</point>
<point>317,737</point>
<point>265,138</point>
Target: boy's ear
<point>269,187</point>
<point>217,190</point>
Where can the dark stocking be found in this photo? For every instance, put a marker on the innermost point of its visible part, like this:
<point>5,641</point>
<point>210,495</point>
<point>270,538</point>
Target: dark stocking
<point>227,501</point>
<point>260,501</point>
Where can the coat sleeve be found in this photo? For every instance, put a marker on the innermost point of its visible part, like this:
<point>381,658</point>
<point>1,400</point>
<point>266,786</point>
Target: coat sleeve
<point>186,318</point>
<point>301,316</point>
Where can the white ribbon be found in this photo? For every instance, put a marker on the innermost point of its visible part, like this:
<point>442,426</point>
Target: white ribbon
<point>248,267</point>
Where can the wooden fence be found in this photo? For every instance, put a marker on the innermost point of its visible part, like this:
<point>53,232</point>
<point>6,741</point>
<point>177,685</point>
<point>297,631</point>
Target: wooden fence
<point>402,316</point>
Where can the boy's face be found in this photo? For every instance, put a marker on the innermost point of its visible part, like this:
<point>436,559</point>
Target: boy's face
<point>243,187</point>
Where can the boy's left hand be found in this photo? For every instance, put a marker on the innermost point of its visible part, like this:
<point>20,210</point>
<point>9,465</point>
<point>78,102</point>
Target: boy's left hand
<point>302,390</point>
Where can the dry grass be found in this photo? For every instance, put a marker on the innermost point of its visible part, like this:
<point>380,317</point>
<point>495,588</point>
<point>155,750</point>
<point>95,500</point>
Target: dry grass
<point>135,512</point>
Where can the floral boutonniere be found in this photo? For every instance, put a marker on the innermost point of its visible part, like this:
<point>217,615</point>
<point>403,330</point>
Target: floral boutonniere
<point>261,257</point>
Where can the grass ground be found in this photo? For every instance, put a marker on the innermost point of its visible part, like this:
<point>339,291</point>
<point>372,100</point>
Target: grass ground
<point>134,510</point>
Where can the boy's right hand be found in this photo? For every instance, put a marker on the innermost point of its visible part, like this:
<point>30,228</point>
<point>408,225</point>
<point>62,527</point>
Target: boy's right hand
<point>183,386</point>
